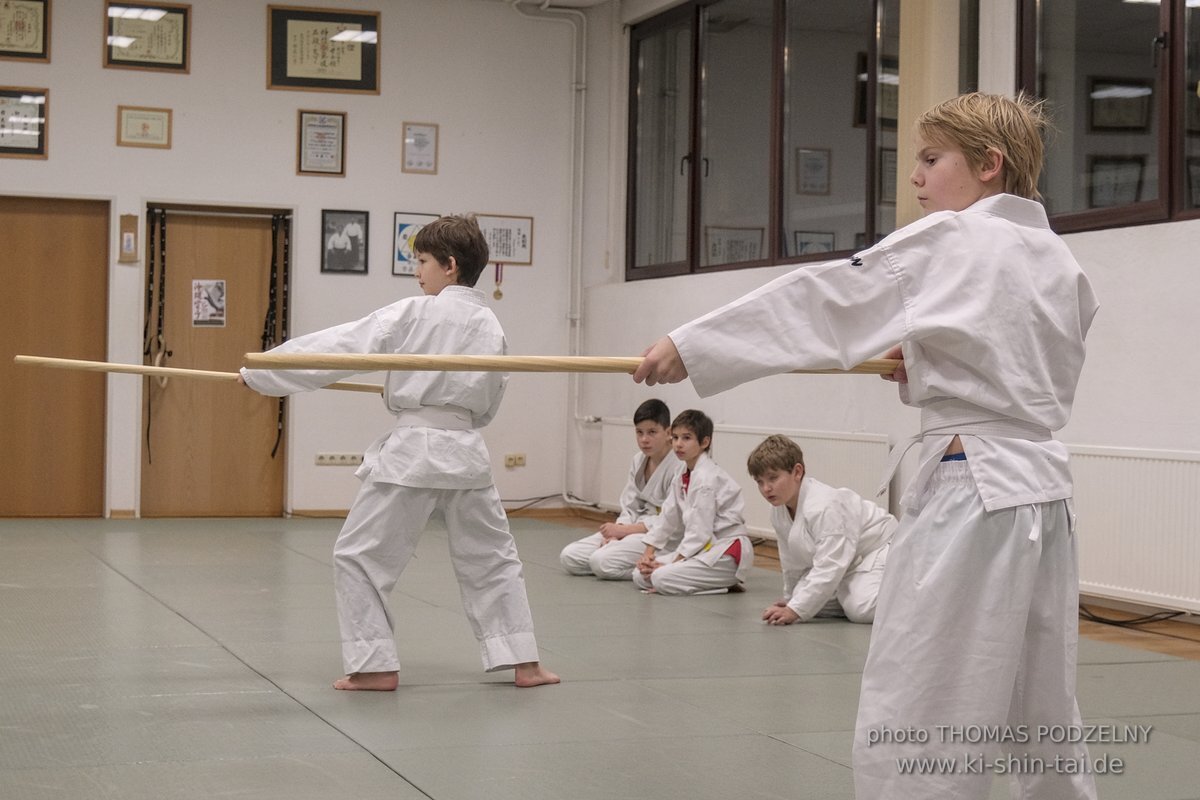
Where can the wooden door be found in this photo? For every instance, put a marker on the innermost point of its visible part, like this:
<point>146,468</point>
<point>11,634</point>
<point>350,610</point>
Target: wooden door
<point>207,447</point>
<point>53,302</point>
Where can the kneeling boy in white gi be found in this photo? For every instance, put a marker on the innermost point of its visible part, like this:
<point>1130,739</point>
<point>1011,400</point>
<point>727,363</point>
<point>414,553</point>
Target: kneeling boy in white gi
<point>833,543</point>
<point>705,507</point>
<point>612,552</point>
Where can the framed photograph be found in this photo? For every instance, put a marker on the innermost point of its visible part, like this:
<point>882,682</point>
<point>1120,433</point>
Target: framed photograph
<point>344,241</point>
<point>812,170</point>
<point>1119,105</point>
<point>724,245</point>
<point>509,238</point>
<point>138,126</point>
<point>1193,182</point>
<point>147,36</point>
<point>1114,180</point>
<point>405,230</point>
<point>321,143</point>
<point>420,148</point>
<point>322,49</point>
<point>809,242</point>
<point>887,175</point>
<point>887,94</point>
<point>25,30</point>
<point>24,122</point>
<point>1191,111</point>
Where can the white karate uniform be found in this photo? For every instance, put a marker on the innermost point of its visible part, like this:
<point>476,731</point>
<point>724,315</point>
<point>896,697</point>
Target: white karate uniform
<point>708,517</point>
<point>641,500</point>
<point>977,620</point>
<point>833,552</point>
<point>433,459</point>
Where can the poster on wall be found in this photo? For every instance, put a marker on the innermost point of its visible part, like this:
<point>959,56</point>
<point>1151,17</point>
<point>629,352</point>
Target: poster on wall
<point>407,226</point>
<point>208,304</point>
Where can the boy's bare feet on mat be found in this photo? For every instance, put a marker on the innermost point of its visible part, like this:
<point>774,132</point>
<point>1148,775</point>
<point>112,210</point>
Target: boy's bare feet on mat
<point>368,682</point>
<point>532,673</point>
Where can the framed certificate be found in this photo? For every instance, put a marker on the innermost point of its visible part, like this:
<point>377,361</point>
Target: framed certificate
<point>144,36</point>
<point>24,120</point>
<point>25,30</point>
<point>138,126</point>
<point>812,170</point>
<point>322,49</point>
<point>321,143</point>
<point>420,148</point>
<point>509,239</point>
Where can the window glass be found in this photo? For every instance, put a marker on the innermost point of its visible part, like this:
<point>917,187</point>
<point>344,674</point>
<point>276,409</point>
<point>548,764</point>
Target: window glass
<point>1191,109</point>
<point>1097,70</point>
<point>735,131</point>
<point>662,114</point>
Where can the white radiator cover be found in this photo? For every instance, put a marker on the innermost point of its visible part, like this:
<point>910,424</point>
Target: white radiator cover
<point>854,460</point>
<point>1139,525</point>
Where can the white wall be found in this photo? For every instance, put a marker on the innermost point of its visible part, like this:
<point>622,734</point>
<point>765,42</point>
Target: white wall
<point>497,83</point>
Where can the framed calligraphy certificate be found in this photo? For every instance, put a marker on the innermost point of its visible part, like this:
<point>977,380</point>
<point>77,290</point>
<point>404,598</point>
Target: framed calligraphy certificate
<point>322,49</point>
<point>321,144</point>
<point>509,238</point>
<point>25,30</point>
<point>138,126</point>
<point>142,36</point>
<point>23,119</point>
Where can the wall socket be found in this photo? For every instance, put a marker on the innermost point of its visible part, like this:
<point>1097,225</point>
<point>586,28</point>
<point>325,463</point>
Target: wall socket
<point>339,459</point>
<point>514,460</point>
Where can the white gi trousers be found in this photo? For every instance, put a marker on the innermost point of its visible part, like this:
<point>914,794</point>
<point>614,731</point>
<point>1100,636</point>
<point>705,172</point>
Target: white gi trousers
<point>378,539</point>
<point>858,593</point>
<point>977,625</point>
<point>613,561</point>
<point>691,576</point>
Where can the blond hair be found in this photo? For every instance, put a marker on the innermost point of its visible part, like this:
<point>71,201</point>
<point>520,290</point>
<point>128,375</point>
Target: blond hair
<point>776,452</point>
<point>977,122</point>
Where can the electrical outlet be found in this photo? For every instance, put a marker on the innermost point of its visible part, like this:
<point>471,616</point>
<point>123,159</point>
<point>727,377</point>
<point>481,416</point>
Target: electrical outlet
<point>520,459</point>
<point>514,460</point>
<point>339,459</point>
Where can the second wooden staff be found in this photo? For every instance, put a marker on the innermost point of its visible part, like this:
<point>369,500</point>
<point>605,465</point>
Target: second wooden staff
<point>426,363</point>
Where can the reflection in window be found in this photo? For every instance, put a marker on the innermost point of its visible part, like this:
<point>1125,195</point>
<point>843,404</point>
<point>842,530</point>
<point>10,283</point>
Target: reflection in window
<point>1191,109</point>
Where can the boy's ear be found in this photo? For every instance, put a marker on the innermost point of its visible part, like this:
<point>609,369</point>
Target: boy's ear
<point>707,443</point>
<point>993,165</point>
<point>451,267</point>
<point>798,471</point>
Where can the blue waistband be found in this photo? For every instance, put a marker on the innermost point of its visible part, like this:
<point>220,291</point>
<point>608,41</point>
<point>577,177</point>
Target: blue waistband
<point>955,457</point>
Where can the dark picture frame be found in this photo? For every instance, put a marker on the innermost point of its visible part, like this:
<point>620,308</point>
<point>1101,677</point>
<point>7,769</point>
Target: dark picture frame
<point>1193,181</point>
<point>344,241</point>
<point>25,120</point>
<point>321,143</point>
<point>1114,180</point>
<point>25,31</point>
<point>887,96</point>
<point>1119,105</point>
<point>303,55</point>
<point>156,43</point>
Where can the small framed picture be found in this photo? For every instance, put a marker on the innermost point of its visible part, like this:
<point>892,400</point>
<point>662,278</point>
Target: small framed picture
<point>322,49</point>
<point>25,30</point>
<point>1193,182</point>
<point>344,241</point>
<point>147,36</point>
<point>138,126</point>
<point>420,148</point>
<point>24,122</point>
<point>732,245</point>
<point>509,238</point>
<point>321,143</point>
<point>887,175</point>
<point>1191,110</point>
<point>812,170</point>
<point>405,230</point>
<point>809,242</point>
<point>1114,180</point>
<point>1119,105</point>
<point>887,93</point>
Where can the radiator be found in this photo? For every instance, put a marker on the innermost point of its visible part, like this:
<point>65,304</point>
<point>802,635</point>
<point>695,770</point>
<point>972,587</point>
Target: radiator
<point>853,460</point>
<point>1139,525</point>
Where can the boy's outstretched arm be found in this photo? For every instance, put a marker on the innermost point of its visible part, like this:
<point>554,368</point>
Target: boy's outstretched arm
<point>661,363</point>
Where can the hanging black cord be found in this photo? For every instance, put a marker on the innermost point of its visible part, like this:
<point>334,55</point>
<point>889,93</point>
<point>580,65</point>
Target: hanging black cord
<point>149,283</point>
<point>159,215</point>
<point>269,327</point>
<point>286,225</point>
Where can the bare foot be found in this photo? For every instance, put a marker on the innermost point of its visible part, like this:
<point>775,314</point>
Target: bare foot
<point>532,673</point>
<point>368,682</point>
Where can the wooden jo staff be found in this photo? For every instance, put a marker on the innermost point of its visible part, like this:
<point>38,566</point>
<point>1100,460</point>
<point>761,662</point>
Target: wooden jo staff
<point>427,363</point>
<point>139,369</point>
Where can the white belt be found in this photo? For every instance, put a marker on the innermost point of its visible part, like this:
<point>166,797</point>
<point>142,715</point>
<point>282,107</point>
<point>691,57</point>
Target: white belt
<point>450,418</point>
<point>952,419</point>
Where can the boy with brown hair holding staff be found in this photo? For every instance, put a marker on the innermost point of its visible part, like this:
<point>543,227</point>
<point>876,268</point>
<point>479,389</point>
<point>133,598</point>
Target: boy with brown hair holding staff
<point>433,459</point>
<point>977,620</point>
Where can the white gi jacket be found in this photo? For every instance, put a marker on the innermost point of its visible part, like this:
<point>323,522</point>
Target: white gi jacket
<point>991,309</point>
<point>641,499</point>
<point>709,516</point>
<point>435,444</point>
<point>835,532</point>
